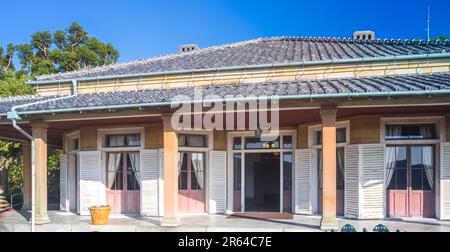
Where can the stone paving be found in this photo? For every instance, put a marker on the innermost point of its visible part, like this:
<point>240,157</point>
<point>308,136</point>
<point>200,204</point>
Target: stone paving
<point>68,222</point>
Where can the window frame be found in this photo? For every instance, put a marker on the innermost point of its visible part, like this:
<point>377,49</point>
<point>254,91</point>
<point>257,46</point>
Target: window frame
<point>439,121</point>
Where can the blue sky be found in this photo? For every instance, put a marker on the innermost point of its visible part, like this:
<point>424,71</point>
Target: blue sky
<point>140,29</point>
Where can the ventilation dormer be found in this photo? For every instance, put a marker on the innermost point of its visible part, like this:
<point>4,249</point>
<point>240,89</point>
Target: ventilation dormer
<point>364,35</point>
<point>188,48</point>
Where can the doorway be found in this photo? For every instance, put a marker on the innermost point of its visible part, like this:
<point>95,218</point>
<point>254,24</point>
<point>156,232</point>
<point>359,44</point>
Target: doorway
<point>410,176</point>
<point>262,182</point>
<point>262,174</point>
<point>123,178</point>
<point>191,182</point>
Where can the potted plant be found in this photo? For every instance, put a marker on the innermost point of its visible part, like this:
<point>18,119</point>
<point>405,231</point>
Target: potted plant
<point>100,214</point>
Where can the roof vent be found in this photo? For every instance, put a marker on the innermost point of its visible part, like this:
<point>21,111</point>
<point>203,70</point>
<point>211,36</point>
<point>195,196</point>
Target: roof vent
<point>188,48</point>
<point>364,35</point>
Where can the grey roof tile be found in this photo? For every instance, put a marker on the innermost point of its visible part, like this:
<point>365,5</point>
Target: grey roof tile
<point>393,84</point>
<point>262,51</point>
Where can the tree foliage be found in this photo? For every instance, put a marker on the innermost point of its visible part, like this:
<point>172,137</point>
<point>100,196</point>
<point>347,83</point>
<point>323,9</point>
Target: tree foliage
<point>62,51</point>
<point>65,50</point>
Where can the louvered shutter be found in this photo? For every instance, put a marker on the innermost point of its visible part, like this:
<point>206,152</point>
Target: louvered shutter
<point>90,181</point>
<point>63,184</point>
<point>217,181</point>
<point>445,182</point>
<point>372,183</point>
<point>351,182</point>
<point>303,175</point>
<point>149,182</point>
<point>161,183</point>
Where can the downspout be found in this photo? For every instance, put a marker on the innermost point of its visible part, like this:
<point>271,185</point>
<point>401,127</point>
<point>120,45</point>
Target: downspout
<point>14,116</point>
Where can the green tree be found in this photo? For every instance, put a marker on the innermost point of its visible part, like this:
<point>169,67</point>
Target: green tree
<point>67,50</point>
<point>6,59</point>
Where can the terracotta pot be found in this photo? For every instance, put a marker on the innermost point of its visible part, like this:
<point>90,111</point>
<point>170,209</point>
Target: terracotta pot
<point>100,214</point>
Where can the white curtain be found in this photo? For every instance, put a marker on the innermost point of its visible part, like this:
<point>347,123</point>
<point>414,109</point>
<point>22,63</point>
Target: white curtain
<point>180,161</point>
<point>197,165</point>
<point>426,131</point>
<point>391,161</point>
<point>134,140</point>
<point>393,131</point>
<point>135,164</point>
<point>116,141</point>
<point>113,167</point>
<point>181,140</point>
<point>427,160</point>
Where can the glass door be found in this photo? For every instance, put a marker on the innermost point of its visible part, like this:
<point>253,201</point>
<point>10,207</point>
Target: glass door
<point>410,176</point>
<point>191,182</point>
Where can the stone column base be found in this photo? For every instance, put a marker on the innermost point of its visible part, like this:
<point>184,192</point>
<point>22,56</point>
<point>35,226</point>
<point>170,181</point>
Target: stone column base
<point>329,223</point>
<point>170,222</point>
<point>40,220</point>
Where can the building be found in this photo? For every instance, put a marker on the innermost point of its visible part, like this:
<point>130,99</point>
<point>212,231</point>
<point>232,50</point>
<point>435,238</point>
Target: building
<point>364,132</point>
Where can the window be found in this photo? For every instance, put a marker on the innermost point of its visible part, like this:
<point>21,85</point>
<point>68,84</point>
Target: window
<point>197,171</point>
<point>397,168</point>
<point>237,143</point>
<point>408,132</point>
<point>287,142</point>
<point>185,140</point>
<point>257,143</point>
<point>341,136</point>
<point>123,171</point>
<point>287,172</point>
<point>182,171</point>
<point>340,168</point>
<point>74,144</point>
<point>191,171</point>
<point>422,176</point>
<point>129,140</point>
<point>237,172</point>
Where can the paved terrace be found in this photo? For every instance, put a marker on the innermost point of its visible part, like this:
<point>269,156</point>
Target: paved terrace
<point>68,222</point>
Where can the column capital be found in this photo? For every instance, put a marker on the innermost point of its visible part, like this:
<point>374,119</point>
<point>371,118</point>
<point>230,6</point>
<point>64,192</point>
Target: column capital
<point>328,111</point>
<point>39,124</point>
<point>167,122</point>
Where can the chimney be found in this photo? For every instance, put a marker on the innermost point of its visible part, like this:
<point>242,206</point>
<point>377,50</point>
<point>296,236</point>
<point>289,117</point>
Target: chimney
<point>364,35</point>
<point>188,48</point>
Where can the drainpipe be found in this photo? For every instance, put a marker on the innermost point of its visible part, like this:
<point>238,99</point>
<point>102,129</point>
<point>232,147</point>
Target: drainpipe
<point>14,116</point>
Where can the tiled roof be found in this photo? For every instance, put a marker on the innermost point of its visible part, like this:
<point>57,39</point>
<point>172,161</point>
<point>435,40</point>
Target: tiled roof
<point>386,85</point>
<point>275,50</point>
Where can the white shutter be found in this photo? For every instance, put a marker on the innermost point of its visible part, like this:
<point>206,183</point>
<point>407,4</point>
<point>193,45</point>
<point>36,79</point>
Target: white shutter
<point>351,191</point>
<point>217,181</point>
<point>303,178</point>
<point>364,181</point>
<point>161,183</point>
<point>63,198</point>
<point>90,181</point>
<point>149,182</point>
<point>372,183</point>
<point>445,182</point>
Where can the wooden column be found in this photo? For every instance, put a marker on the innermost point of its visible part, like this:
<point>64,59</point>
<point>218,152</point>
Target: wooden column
<point>26,178</point>
<point>39,131</point>
<point>328,115</point>
<point>170,141</point>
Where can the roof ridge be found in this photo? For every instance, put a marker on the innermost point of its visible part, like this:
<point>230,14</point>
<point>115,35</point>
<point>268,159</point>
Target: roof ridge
<point>20,97</point>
